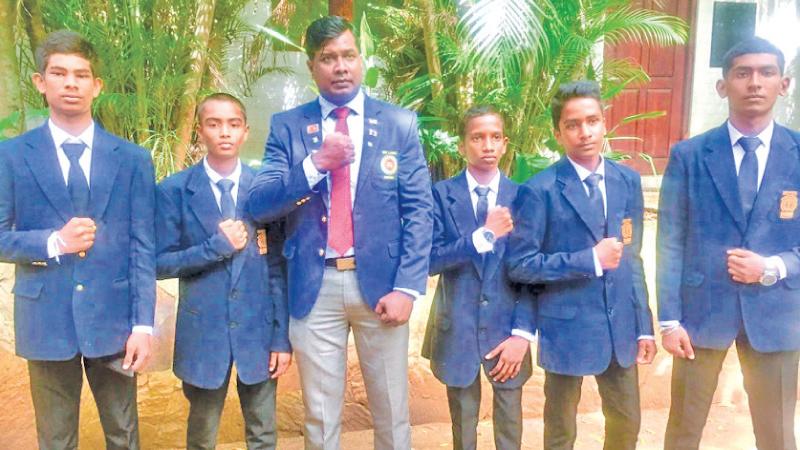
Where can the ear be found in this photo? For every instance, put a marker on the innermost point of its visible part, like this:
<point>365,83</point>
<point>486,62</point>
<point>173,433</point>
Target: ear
<point>310,65</point>
<point>722,89</point>
<point>98,86</point>
<point>785,82</point>
<point>38,81</point>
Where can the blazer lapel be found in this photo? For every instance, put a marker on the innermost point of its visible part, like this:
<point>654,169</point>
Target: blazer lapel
<point>505,197</point>
<point>370,146</point>
<point>202,202</point>
<point>575,194</point>
<point>43,162</point>
<point>616,199</point>
<point>105,164</point>
<point>239,257</point>
<point>460,207</point>
<point>721,167</point>
<point>311,134</point>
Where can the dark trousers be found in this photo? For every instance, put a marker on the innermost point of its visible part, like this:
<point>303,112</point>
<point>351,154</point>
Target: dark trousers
<point>619,392</point>
<point>205,408</point>
<point>770,380</point>
<point>56,392</point>
<point>464,406</point>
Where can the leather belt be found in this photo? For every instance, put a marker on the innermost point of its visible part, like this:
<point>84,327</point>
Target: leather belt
<point>342,264</point>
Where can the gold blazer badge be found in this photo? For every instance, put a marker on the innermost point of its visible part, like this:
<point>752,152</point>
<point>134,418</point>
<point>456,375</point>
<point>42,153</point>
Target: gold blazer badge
<point>627,231</point>
<point>261,240</point>
<point>788,204</point>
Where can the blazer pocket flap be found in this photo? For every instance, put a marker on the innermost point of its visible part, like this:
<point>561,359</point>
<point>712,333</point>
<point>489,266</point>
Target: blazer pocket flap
<point>693,279</point>
<point>557,311</point>
<point>792,282</point>
<point>288,249</point>
<point>394,249</point>
<point>31,289</point>
<point>120,283</point>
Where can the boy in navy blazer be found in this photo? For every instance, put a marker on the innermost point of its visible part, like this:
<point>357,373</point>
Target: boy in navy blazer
<point>729,255</point>
<point>478,318</point>
<point>77,207</point>
<point>579,234</point>
<point>232,306</point>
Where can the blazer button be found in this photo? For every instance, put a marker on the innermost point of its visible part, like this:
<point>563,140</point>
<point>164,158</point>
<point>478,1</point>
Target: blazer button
<point>81,254</point>
<point>321,252</point>
<point>79,287</point>
<point>233,324</point>
<point>324,219</point>
<point>484,302</point>
<point>234,294</point>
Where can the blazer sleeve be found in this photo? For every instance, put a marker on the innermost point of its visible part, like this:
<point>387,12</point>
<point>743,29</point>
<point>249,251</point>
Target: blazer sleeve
<point>416,213</point>
<point>671,237</point>
<point>446,255</point>
<point>644,317</point>
<point>278,292</point>
<point>174,260</point>
<point>142,272</point>
<point>281,182</point>
<point>526,261</point>
<point>525,310</point>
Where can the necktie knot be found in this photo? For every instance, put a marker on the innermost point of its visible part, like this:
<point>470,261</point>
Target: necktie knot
<point>593,180</point>
<point>225,185</point>
<point>482,191</point>
<point>749,144</point>
<point>341,112</point>
<point>73,151</point>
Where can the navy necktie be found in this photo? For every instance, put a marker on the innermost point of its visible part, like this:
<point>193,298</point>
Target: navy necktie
<point>482,208</point>
<point>596,201</point>
<point>226,205</point>
<point>77,185</point>
<point>748,174</point>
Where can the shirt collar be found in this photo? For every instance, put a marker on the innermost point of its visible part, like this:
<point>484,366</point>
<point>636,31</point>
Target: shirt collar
<point>60,136</point>
<point>494,184</point>
<point>215,177</point>
<point>765,135</point>
<point>583,172</point>
<point>356,104</point>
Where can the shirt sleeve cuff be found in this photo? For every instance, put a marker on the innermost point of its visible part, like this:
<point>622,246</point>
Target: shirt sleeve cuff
<point>646,337</point>
<point>414,294</point>
<point>142,329</point>
<point>479,241</point>
<point>313,176</point>
<point>53,249</point>
<point>668,326</point>
<point>598,268</point>
<point>776,263</point>
<point>530,337</point>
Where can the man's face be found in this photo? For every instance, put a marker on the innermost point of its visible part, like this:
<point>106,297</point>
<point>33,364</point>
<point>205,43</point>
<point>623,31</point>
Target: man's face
<point>69,86</point>
<point>337,69</point>
<point>484,142</point>
<point>222,129</point>
<point>752,85</point>
<point>581,129</point>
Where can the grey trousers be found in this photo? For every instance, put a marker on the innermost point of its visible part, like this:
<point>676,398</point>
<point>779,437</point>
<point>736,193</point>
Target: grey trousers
<point>464,406</point>
<point>319,341</point>
<point>56,392</point>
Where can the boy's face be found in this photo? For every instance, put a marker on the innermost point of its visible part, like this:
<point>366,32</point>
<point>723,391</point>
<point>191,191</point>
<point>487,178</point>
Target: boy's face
<point>581,129</point>
<point>222,129</point>
<point>753,84</point>
<point>484,142</point>
<point>69,85</point>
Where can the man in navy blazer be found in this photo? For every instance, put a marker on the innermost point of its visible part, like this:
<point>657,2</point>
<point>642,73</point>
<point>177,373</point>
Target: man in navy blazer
<point>478,318</point>
<point>232,306</point>
<point>729,255</point>
<point>579,234</point>
<point>76,218</point>
<point>348,174</point>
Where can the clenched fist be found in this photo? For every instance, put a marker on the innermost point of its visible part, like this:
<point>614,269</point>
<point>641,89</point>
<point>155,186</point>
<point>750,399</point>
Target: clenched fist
<point>337,151</point>
<point>77,235</point>
<point>609,252</point>
<point>499,222</point>
<point>235,232</point>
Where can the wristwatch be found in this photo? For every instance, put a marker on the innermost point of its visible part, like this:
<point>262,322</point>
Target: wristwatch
<point>769,277</point>
<point>489,236</point>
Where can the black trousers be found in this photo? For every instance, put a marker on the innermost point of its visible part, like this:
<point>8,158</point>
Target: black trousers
<point>205,408</point>
<point>770,380</point>
<point>464,406</point>
<point>619,392</point>
<point>56,392</point>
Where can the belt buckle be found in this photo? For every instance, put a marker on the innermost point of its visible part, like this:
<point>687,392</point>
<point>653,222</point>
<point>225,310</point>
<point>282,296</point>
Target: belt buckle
<point>343,264</point>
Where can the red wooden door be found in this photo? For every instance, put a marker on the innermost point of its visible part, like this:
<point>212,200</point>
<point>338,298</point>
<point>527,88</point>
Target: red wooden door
<point>668,90</point>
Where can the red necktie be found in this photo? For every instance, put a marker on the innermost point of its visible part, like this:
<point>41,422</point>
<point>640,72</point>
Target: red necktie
<point>340,229</point>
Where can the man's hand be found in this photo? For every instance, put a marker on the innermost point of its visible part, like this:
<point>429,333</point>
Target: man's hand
<point>77,235</point>
<point>678,344</point>
<point>609,252</point>
<point>511,353</point>
<point>745,266</point>
<point>279,363</point>
<point>395,308</point>
<point>337,151</point>
<point>647,351</point>
<point>235,232</point>
<point>137,351</point>
<point>498,221</point>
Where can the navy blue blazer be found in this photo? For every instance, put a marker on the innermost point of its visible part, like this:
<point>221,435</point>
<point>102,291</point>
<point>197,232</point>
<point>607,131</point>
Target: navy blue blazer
<point>81,305</point>
<point>700,218</point>
<point>392,213</point>
<point>583,320</point>
<point>476,306</point>
<point>231,303</point>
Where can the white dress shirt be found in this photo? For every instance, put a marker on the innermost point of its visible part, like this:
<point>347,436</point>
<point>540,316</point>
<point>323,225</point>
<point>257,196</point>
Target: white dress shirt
<point>214,177</point>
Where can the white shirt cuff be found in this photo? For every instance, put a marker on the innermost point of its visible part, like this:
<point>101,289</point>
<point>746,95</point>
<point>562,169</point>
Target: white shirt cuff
<point>668,326</point>
<point>598,268</point>
<point>646,336</point>
<point>776,262</point>
<point>53,249</point>
<point>530,337</point>
<point>414,294</point>
<point>479,241</point>
<point>142,329</point>
<point>313,176</point>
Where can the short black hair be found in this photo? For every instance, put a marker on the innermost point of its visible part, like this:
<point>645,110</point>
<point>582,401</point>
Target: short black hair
<point>324,29</point>
<point>222,97</point>
<point>478,111</point>
<point>568,91</point>
<point>748,46</point>
<point>68,43</point>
